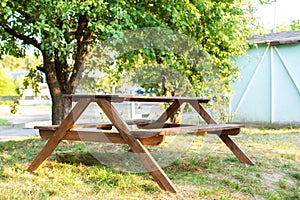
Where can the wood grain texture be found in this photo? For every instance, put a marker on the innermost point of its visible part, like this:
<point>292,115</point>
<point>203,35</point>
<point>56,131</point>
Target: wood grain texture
<point>104,137</point>
<point>236,150</point>
<point>59,134</point>
<point>136,146</point>
<point>122,98</point>
<point>150,132</point>
<point>202,112</point>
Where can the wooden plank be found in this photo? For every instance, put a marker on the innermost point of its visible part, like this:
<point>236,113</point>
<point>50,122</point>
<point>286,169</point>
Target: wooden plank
<point>59,134</point>
<point>139,122</point>
<point>164,99</point>
<point>121,98</point>
<point>236,150</point>
<point>219,129</point>
<point>136,146</point>
<point>202,112</point>
<point>47,128</point>
<point>166,125</point>
<point>233,131</point>
<point>159,123</point>
<point>224,135</point>
<point>86,136</point>
<point>105,137</point>
<point>168,113</point>
<point>104,126</point>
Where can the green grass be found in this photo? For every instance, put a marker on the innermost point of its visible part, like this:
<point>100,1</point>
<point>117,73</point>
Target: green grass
<point>207,170</point>
<point>4,122</point>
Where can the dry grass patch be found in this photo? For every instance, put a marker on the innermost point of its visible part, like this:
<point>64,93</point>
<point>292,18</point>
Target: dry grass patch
<point>207,170</point>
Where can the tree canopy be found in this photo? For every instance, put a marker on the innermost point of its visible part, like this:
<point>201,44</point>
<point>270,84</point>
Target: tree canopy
<point>7,84</point>
<point>63,32</point>
<point>295,25</point>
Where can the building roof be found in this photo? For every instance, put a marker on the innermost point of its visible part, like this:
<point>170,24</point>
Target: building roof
<point>286,37</point>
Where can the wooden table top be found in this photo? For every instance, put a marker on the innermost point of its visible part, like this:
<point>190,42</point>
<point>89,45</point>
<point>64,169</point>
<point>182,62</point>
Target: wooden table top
<point>137,98</point>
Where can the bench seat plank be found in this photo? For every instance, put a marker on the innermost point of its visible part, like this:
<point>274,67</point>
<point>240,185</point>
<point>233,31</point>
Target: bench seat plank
<point>96,136</point>
<point>169,128</point>
<point>146,136</point>
<point>219,129</point>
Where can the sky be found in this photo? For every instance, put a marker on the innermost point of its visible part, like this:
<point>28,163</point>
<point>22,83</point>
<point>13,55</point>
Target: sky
<point>286,11</point>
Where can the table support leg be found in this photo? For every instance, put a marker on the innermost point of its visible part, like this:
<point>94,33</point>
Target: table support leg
<point>59,134</point>
<point>236,150</point>
<point>202,112</point>
<point>170,110</point>
<point>160,122</point>
<point>225,138</point>
<point>137,147</point>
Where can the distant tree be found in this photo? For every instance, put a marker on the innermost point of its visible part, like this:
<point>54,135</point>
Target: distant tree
<point>283,27</point>
<point>267,1</point>
<point>13,63</point>
<point>295,25</point>
<point>292,26</point>
<point>7,85</point>
<point>64,31</point>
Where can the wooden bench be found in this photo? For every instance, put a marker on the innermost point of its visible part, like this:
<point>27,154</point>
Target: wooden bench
<point>151,137</point>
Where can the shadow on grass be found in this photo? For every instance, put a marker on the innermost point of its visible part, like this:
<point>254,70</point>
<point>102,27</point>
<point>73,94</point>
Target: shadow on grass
<point>77,157</point>
<point>217,174</point>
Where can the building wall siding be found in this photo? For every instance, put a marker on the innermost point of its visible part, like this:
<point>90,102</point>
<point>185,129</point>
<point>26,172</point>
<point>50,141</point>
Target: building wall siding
<point>269,88</point>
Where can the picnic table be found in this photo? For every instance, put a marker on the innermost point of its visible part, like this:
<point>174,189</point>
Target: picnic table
<point>149,132</point>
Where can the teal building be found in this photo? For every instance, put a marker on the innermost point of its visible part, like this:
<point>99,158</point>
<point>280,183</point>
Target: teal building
<point>268,90</point>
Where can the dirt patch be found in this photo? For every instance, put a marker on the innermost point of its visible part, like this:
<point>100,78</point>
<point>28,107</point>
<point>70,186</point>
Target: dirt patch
<point>271,182</point>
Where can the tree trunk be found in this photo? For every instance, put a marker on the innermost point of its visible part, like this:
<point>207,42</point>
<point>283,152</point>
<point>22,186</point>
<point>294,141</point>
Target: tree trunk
<point>60,108</point>
<point>60,105</point>
<point>57,109</point>
<point>175,118</point>
<point>63,79</point>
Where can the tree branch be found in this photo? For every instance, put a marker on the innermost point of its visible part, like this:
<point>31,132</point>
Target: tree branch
<point>83,36</point>
<point>20,9</point>
<point>26,39</point>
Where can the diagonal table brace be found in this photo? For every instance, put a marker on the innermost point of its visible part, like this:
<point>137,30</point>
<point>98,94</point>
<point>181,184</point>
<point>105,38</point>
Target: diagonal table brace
<point>239,153</point>
<point>160,122</point>
<point>52,143</point>
<point>236,150</point>
<point>137,147</point>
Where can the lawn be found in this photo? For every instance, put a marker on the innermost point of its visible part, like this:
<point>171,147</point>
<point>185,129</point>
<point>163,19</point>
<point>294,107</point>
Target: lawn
<point>4,122</point>
<point>207,170</point>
